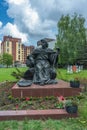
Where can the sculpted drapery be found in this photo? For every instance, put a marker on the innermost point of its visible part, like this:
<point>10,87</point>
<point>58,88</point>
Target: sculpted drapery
<point>41,63</point>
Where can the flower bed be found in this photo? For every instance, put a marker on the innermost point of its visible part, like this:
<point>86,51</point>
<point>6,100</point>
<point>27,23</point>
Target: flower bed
<point>7,102</point>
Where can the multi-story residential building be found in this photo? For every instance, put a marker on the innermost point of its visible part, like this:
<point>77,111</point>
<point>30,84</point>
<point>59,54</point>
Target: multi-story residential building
<point>15,47</point>
<point>26,50</point>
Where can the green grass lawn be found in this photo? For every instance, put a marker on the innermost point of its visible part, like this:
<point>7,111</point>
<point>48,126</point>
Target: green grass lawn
<point>68,124</point>
<point>62,74</point>
<point>5,74</point>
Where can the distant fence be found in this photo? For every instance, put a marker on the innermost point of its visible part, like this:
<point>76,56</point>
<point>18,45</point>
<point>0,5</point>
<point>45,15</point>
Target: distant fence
<point>74,68</point>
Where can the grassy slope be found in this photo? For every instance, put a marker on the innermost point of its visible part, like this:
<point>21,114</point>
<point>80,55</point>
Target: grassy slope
<point>5,74</point>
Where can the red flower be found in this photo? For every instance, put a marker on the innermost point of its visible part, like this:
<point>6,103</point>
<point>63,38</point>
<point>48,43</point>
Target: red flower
<point>61,98</point>
<point>27,99</point>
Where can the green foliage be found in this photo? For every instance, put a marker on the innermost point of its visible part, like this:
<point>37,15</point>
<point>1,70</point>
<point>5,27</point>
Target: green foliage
<point>70,102</point>
<point>83,107</point>
<point>18,74</point>
<point>0,59</point>
<point>83,81</point>
<point>59,105</point>
<point>7,59</point>
<point>71,38</point>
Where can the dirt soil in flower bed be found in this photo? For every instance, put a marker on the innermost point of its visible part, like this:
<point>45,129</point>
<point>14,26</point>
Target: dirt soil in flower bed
<point>7,102</point>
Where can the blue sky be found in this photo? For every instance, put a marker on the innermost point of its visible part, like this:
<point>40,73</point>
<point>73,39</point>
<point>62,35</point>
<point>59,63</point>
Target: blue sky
<point>33,20</point>
<point>3,13</point>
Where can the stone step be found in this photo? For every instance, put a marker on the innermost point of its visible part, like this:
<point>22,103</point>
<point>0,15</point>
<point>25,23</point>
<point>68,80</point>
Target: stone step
<point>35,114</point>
<point>61,88</point>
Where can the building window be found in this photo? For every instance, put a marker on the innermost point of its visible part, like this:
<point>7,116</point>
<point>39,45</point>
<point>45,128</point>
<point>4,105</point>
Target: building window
<point>19,52</point>
<point>7,49</point>
<point>19,57</point>
<point>19,45</point>
<point>7,44</point>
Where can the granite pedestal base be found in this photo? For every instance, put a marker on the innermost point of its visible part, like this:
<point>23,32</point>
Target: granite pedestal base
<point>61,88</point>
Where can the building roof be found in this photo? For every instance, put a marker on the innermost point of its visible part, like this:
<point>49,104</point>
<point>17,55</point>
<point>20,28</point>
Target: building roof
<point>11,38</point>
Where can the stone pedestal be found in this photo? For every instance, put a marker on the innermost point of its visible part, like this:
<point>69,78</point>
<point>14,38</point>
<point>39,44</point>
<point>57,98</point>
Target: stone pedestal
<point>61,88</point>
<point>35,114</point>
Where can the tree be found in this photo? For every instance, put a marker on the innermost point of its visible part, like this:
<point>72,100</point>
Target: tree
<point>7,59</point>
<point>71,38</point>
<point>0,59</point>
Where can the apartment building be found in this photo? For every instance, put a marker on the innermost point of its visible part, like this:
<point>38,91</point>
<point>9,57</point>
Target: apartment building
<point>15,47</point>
<point>26,50</point>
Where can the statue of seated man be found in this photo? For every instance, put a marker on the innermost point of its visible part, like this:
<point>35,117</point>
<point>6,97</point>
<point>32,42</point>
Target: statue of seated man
<point>41,63</point>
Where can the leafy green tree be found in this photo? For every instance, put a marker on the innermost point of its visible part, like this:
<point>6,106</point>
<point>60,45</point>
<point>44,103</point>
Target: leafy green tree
<point>0,59</point>
<point>71,38</point>
<point>7,59</point>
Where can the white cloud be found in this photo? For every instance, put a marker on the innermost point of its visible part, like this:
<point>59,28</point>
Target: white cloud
<point>1,24</point>
<point>12,30</point>
<point>28,21</point>
<point>17,2</point>
<point>52,9</point>
<point>35,19</point>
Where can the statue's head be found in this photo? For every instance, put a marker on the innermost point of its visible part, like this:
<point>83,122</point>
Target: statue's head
<point>44,44</point>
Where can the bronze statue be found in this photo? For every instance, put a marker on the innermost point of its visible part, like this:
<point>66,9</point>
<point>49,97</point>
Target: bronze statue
<point>41,63</point>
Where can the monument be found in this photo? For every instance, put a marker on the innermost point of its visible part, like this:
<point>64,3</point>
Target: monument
<point>41,62</point>
<point>40,79</point>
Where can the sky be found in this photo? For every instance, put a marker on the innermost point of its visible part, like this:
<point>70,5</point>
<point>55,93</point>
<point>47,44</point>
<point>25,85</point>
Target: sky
<point>32,20</point>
